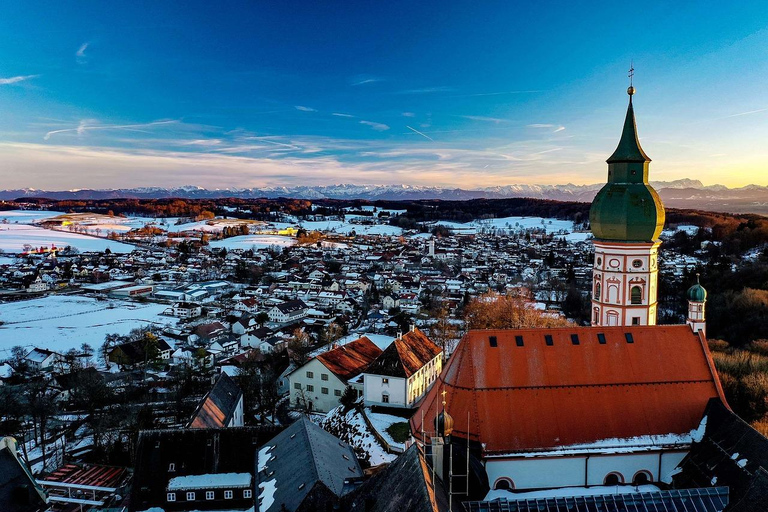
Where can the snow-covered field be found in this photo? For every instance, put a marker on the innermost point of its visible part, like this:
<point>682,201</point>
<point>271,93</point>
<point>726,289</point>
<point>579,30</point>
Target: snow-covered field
<point>510,224</point>
<point>26,216</point>
<point>345,228</point>
<point>60,323</point>
<point>246,242</point>
<point>215,225</point>
<point>13,237</point>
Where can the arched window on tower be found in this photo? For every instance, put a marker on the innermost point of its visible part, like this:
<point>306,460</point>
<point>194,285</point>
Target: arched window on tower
<point>636,295</point>
<point>597,291</point>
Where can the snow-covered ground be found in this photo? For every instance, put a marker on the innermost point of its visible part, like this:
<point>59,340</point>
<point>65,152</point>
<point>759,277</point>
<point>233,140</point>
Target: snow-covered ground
<point>60,323</point>
<point>510,224</point>
<point>246,242</point>
<point>26,216</point>
<point>13,238</point>
<point>345,228</point>
<point>351,428</point>
<point>215,225</point>
<point>381,422</point>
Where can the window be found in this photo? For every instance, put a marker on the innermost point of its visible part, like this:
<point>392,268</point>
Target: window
<point>601,338</point>
<point>635,320</point>
<point>227,495</point>
<point>492,341</point>
<point>599,261</point>
<point>575,339</point>
<point>310,375</point>
<point>190,496</point>
<point>247,493</point>
<point>642,478</point>
<point>297,385</point>
<point>324,391</point>
<point>613,478</point>
<point>323,376</point>
<point>504,484</point>
<point>171,496</point>
<point>385,380</point>
<point>385,398</point>
<point>310,388</point>
<point>172,467</point>
<point>209,495</point>
<point>548,340</point>
<point>519,341</point>
<point>628,336</point>
<point>597,290</point>
<point>337,392</point>
<point>636,295</point>
<point>637,263</point>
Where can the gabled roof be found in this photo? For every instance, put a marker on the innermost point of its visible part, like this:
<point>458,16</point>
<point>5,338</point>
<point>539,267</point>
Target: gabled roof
<point>405,356</point>
<point>731,453</point>
<point>350,359</point>
<point>542,396</point>
<point>218,406</point>
<point>403,486</point>
<point>291,464</point>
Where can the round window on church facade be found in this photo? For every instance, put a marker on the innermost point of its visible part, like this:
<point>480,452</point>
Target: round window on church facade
<point>637,263</point>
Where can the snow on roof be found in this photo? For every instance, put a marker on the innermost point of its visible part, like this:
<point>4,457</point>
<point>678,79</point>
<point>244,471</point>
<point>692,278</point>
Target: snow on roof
<point>210,481</point>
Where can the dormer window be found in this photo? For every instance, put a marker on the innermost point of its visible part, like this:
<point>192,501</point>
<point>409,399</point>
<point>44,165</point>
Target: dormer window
<point>172,467</point>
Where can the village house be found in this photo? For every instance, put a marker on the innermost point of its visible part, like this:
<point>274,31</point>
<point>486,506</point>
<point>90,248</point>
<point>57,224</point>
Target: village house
<point>318,384</point>
<point>287,312</point>
<point>404,372</point>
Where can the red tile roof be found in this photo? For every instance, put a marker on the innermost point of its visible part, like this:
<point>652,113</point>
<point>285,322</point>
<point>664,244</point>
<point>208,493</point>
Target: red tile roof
<point>539,396</point>
<point>349,360</point>
<point>405,356</point>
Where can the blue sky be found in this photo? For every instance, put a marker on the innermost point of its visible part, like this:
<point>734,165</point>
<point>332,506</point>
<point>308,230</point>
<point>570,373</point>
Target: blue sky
<point>467,94</point>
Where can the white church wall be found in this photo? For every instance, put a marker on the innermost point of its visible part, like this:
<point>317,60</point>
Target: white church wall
<point>579,470</point>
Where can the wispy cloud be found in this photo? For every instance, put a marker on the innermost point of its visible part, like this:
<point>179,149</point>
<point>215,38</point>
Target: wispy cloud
<point>339,114</point>
<point>80,55</point>
<point>496,120</point>
<point>747,113</point>
<point>86,125</point>
<point>379,127</point>
<point>16,79</point>
<point>363,80</point>
<point>426,90</point>
<point>409,114</point>
<point>305,109</point>
<point>414,130</point>
<point>555,127</point>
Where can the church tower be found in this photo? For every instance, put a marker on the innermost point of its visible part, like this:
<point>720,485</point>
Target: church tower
<point>697,297</point>
<point>626,219</point>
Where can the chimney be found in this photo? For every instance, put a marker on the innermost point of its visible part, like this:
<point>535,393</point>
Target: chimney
<point>413,327</point>
<point>399,334</point>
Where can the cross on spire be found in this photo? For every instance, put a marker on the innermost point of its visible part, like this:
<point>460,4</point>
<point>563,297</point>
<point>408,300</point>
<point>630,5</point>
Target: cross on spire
<point>631,73</point>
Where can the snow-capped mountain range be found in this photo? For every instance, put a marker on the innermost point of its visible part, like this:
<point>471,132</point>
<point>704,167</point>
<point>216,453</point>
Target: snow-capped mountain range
<point>684,193</point>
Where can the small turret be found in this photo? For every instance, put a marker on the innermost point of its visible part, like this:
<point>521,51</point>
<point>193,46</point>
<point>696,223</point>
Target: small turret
<point>697,298</point>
